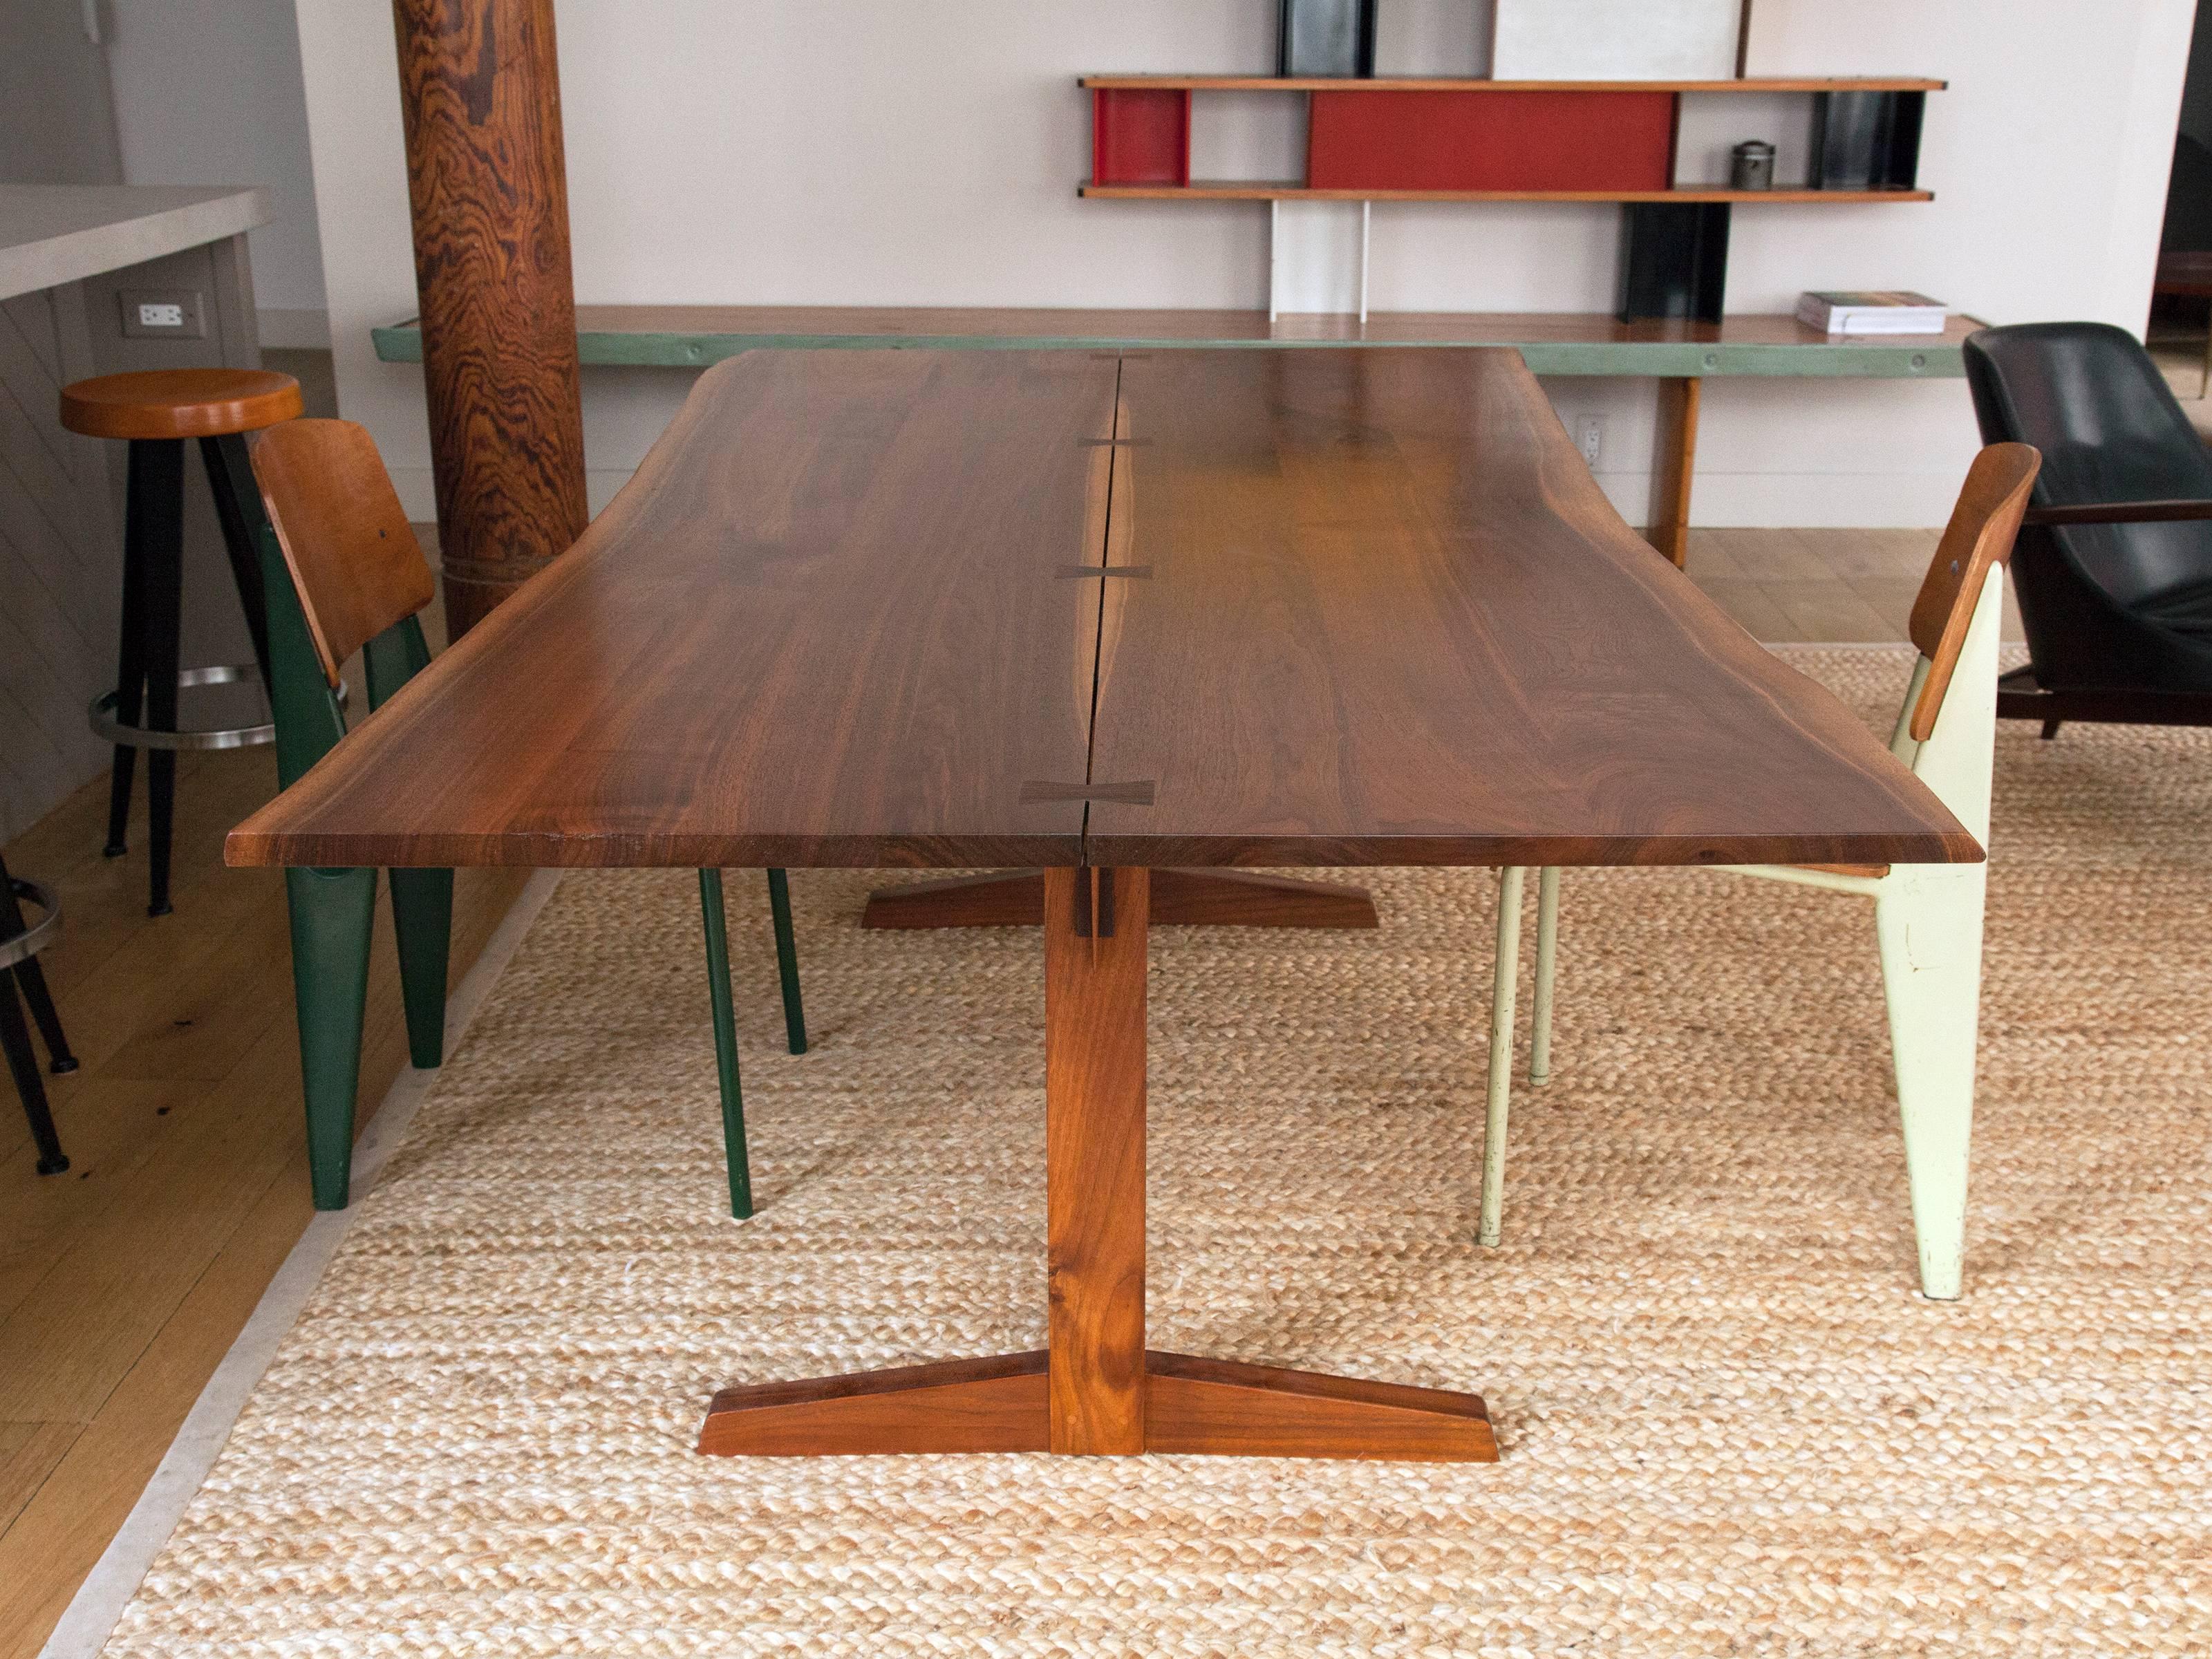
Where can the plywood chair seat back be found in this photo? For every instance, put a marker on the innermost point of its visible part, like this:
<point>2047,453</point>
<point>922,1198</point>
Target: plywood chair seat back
<point>1979,537</point>
<point>1947,731</point>
<point>353,559</point>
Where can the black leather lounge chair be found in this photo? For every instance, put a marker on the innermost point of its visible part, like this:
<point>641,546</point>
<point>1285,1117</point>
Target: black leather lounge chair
<point>2114,563</point>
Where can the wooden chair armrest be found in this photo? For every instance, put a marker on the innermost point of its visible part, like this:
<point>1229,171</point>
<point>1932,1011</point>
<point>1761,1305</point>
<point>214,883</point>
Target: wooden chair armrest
<point>2119,512</point>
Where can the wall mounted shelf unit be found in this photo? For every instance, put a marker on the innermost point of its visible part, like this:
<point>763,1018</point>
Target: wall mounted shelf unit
<point>1287,190</point>
<point>1483,83</point>
<point>1441,139</point>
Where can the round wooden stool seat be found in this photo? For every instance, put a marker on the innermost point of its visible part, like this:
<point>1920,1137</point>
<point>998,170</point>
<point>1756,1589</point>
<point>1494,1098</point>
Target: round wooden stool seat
<point>180,402</point>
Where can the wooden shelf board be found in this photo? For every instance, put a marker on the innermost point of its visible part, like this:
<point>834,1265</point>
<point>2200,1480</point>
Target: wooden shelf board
<point>1551,343</point>
<point>1285,189</point>
<point>1440,83</point>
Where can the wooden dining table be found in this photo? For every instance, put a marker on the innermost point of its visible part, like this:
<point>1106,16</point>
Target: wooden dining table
<point>1107,614</point>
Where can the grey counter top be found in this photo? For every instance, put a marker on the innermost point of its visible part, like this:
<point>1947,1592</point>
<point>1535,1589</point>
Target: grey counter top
<point>55,234</point>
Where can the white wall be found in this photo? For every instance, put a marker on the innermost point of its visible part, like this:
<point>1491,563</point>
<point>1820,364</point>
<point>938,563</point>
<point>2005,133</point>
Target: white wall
<point>926,153</point>
<point>208,92</point>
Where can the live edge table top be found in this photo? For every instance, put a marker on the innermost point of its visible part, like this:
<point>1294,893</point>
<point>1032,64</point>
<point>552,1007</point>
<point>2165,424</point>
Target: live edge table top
<point>1192,608</point>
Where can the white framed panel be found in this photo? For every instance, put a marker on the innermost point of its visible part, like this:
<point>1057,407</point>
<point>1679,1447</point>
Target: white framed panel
<point>1317,257</point>
<point>1615,39</point>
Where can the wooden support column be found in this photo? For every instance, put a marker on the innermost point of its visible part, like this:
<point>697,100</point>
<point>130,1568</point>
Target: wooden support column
<point>1096,1391</point>
<point>1673,457</point>
<point>481,96</point>
<point>1095,923</point>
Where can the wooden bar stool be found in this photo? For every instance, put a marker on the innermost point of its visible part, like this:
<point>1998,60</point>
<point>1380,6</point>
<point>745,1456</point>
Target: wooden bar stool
<point>20,944</point>
<point>156,411</point>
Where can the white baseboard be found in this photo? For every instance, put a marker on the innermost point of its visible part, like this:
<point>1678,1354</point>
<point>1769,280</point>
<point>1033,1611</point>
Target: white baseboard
<point>306,329</point>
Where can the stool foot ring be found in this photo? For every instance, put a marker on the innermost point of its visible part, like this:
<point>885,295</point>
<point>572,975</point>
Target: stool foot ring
<point>106,725</point>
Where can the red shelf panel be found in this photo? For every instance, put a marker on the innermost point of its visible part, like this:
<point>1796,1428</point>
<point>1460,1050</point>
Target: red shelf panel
<point>1141,137</point>
<point>1531,141</point>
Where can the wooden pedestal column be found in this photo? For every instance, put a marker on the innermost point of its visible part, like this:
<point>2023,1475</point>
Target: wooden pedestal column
<point>1096,1390</point>
<point>480,95</point>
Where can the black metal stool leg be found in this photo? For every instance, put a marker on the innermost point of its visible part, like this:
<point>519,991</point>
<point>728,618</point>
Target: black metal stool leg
<point>238,504</point>
<point>32,979</point>
<point>163,553</point>
<point>16,1039</point>
<point>130,653</point>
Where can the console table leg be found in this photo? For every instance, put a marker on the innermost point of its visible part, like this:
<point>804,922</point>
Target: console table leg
<point>1671,466</point>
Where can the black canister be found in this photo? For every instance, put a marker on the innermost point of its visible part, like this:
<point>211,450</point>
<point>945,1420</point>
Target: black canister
<point>1751,166</point>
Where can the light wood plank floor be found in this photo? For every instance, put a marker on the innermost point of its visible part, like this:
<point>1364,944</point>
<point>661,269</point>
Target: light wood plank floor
<point>1819,586</point>
<point>123,1281</point>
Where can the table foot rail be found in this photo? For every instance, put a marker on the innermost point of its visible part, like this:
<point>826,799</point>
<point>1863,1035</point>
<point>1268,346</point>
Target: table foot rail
<point>1229,1408</point>
<point>1218,1406</point>
<point>994,1405</point>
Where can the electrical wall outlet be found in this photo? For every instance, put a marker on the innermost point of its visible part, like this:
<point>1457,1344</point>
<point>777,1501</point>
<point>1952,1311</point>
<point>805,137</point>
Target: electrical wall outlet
<point>163,314</point>
<point>1589,437</point>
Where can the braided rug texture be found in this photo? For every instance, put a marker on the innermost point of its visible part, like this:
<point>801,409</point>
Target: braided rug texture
<point>1730,1424</point>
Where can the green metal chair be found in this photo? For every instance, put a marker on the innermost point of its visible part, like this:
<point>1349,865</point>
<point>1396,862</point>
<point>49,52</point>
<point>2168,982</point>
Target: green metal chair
<point>343,572</point>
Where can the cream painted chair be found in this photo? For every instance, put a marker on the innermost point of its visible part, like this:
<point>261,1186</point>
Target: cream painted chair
<point>1928,917</point>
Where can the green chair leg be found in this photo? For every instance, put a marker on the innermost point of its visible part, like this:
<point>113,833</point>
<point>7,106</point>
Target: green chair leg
<point>1547,963</point>
<point>786,960</point>
<point>1508,971</point>
<point>726,1042</point>
<point>422,923</point>
<point>332,912</point>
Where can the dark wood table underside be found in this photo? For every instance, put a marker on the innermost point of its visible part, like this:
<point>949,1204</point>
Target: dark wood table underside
<point>1108,615</point>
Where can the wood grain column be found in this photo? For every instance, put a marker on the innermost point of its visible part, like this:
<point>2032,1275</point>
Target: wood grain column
<point>1673,463</point>
<point>480,95</point>
<point>1094,1156</point>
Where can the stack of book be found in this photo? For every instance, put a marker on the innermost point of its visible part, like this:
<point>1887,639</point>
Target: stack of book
<point>1872,312</point>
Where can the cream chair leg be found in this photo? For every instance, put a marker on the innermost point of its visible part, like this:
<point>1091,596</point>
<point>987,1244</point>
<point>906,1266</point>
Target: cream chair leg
<point>1548,962</point>
<point>1501,1050</point>
<point>1929,920</point>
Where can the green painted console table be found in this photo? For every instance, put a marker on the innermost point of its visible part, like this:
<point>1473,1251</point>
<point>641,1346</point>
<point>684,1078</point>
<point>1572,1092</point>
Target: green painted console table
<point>1680,355</point>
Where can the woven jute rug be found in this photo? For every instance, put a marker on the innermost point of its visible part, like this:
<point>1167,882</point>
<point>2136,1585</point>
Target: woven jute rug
<point>1730,1424</point>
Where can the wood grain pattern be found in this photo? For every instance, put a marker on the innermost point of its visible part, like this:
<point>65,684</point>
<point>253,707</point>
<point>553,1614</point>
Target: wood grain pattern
<point>179,403</point>
<point>353,556</point>
<point>1392,620</point>
<point>1094,1094</point>
<point>1980,534</point>
<point>819,626</point>
<point>1229,1408</point>
<point>1674,465</point>
<point>1179,898</point>
<point>487,183</point>
<point>994,1405</point>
